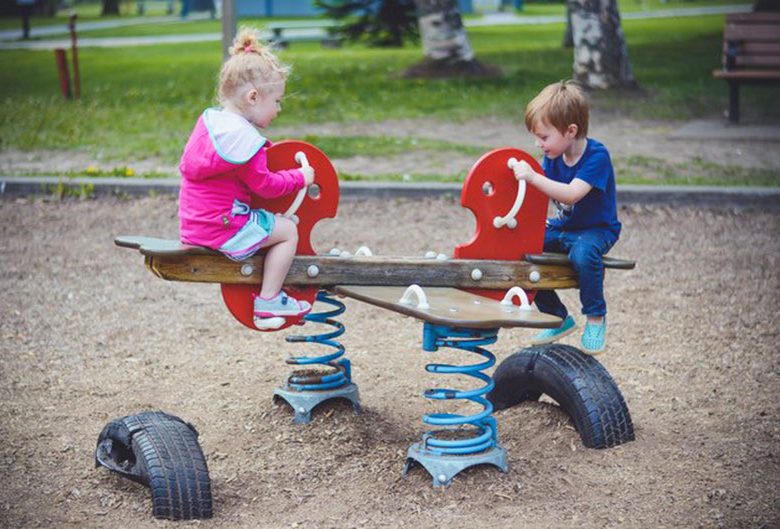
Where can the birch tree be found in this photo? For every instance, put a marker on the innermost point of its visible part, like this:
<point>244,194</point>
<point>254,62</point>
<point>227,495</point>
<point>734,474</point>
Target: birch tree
<point>445,44</point>
<point>600,50</point>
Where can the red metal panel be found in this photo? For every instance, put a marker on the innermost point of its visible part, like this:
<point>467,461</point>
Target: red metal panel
<point>281,155</point>
<point>489,191</point>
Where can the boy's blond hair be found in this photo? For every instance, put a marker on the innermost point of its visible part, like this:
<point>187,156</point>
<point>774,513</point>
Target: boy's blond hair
<point>250,63</point>
<point>560,105</point>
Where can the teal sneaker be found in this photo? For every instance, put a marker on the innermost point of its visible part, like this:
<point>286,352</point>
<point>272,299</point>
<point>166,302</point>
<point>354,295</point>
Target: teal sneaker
<point>552,335</point>
<point>594,337</point>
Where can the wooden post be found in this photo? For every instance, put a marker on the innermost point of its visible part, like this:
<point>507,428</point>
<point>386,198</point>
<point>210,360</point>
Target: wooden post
<point>733,101</point>
<point>62,69</point>
<point>228,26</point>
<point>75,56</point>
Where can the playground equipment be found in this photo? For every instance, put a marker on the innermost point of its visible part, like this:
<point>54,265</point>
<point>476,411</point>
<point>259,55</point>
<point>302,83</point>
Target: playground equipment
<point>462,302</point>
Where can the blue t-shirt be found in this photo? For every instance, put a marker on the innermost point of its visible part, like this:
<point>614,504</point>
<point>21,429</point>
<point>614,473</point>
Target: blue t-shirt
<point>597,209</point>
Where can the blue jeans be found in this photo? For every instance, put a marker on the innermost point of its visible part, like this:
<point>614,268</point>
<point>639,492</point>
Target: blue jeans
<point>585,249</point>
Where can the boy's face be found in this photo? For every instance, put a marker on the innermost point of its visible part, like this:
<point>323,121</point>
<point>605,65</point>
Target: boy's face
<point>552,141</point>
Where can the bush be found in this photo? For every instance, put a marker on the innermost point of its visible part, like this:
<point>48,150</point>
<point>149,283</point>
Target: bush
<point>385,23</point>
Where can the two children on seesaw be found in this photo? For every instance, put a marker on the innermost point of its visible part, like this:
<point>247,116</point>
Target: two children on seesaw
<point>224,163</point>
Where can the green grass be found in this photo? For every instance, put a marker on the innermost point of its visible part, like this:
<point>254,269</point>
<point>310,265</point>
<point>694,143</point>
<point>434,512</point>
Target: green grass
<point>631,170</point>
<point>142,102</point>
<point>626,6</point>
<point>635,170</point>
<point>88,12</point>
<point>648,170</point>
<point>345,146</point>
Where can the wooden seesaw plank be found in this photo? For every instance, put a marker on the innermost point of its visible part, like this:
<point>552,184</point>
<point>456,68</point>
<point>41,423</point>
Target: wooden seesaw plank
<point>398,271</point>
<point>173,261</point>
<point>451,307</point>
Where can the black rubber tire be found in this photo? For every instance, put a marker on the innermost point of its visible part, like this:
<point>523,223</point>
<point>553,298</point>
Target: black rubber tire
<point>162,452</point>
<point>576,381</point>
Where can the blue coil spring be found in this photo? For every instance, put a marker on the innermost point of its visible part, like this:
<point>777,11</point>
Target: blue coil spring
<point>470,340</point>
<point>341,372</point>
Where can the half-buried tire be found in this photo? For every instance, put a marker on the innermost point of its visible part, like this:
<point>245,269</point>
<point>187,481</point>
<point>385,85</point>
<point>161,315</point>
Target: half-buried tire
<point>162,452</point>
<point>576,381</point>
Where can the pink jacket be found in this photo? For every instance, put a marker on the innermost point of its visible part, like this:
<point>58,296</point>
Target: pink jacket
<point>225,160</point>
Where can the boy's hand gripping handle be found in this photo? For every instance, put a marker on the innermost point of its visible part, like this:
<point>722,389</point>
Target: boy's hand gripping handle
<point>509,219</point>
<point>300,157</point>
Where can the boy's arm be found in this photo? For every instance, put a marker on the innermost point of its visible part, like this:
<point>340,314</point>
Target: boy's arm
<point>570,193</point>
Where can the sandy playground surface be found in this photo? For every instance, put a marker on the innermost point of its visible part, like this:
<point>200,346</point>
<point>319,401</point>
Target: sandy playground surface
<point>87,334</point>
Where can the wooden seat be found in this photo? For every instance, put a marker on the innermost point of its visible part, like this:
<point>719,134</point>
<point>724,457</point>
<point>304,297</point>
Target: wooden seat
<point>154,246</point>
<point>751,53</point>
<point>452,307</point>
<point>549,258</point>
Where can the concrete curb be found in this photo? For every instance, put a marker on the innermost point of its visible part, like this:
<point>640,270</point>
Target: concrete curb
<point>760,197</point>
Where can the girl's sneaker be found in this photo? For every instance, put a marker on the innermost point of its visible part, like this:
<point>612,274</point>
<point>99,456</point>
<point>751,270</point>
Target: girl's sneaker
<point>268,324</point>
<point>594,337</point>
<point>553,335</point>
<point>282,305</point>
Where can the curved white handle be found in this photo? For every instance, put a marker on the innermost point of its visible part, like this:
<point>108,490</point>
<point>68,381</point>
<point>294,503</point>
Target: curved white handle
<point>300,157</point>
<point>509,219</point>
<point>520,293</point>
<point>417,291</point>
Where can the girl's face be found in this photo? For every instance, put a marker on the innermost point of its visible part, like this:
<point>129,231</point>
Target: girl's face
<point>263,107</point>
<point>551,141</point>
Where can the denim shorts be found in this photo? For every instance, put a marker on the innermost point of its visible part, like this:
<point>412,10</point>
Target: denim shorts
<point>251,236</point>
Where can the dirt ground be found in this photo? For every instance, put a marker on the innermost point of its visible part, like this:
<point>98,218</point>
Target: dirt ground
<point>89,335</point>
<point>625,138</point>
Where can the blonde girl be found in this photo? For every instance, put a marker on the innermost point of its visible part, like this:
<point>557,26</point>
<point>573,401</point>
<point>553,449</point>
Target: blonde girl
<point>224,163</point>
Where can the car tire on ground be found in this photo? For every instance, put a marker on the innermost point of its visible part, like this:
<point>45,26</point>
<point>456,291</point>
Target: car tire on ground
<point>162,452</point>
<point>576,381</point>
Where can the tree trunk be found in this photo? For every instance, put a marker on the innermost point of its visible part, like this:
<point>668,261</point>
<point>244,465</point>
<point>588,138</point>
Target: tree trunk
<point>568,39</point>
<point>110,7</point>
<point>445,44</point>
<point>600,51</point>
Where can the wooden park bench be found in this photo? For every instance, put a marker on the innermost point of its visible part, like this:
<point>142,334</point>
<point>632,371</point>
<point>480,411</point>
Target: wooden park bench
<point>751,53</point>
<point>283,33</point>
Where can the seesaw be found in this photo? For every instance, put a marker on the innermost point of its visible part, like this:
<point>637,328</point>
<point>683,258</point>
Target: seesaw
<point>462,301</point>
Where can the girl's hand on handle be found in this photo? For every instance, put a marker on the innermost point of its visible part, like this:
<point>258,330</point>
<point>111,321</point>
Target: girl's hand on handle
<point>308,179</point>
<point>306,169</point>
<point>308,175</point>
<point>522,170</point>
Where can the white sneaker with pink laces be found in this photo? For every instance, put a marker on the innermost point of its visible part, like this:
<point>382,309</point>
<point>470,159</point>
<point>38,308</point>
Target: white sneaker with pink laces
<point>282,305</point>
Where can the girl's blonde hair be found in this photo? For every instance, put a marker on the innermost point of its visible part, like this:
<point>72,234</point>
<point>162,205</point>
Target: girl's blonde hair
<point>560,105</point>
<point>251,62</point>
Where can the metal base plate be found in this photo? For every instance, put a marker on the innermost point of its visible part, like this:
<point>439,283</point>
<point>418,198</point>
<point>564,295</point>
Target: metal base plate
<point>445,467</point>
<point>303,402</point>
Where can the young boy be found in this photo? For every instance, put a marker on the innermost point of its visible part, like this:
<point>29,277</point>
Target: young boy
<point>581,182</point>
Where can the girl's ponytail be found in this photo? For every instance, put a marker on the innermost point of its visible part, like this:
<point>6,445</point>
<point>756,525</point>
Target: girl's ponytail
<point>251,62</point>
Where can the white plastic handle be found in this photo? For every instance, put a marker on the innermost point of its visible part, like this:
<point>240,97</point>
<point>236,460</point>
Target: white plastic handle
<point>364,251</point>
<point>300,157</point>
<point>509,220</point>
<point>417,291</point>
<point>516,292</point>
